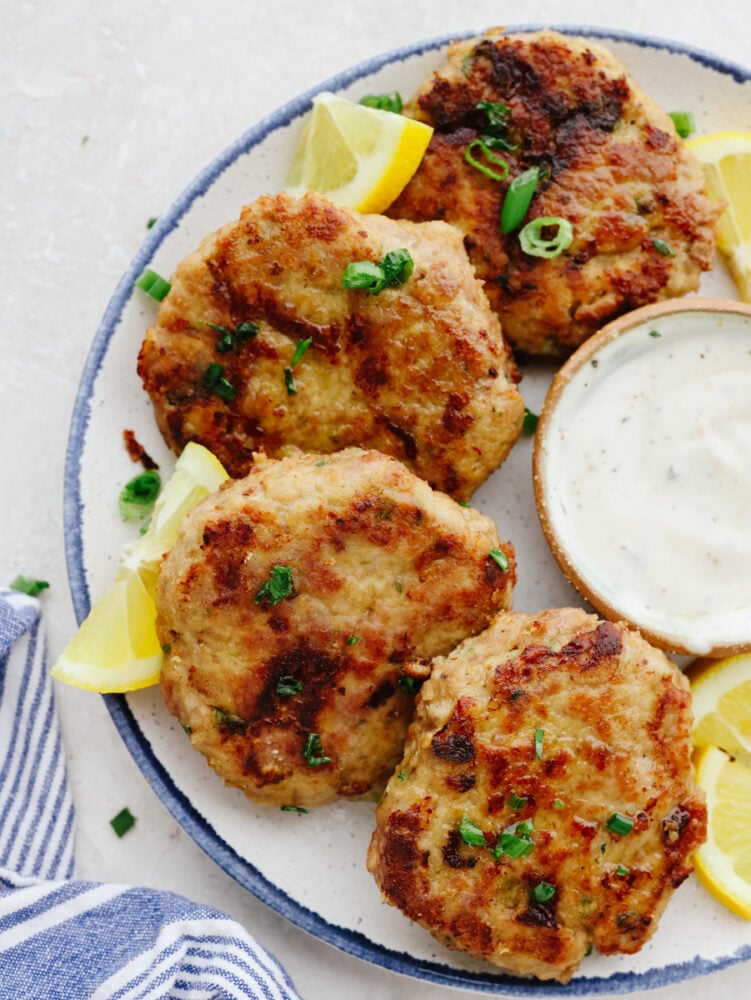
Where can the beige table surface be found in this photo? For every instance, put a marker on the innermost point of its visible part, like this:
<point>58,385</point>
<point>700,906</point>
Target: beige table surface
<point>109,110</point>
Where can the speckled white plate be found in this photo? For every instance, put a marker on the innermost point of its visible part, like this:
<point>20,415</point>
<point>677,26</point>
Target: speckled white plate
<point>310,868</point>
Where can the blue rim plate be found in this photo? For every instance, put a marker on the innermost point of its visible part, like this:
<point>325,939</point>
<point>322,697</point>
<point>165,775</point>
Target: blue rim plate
<point>722,93</point>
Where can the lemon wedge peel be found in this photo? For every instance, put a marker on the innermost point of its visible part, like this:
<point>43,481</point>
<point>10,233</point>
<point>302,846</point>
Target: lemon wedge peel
<point>116,648</point>
<point>721,693</point>
<point>723,862</point>
<point>355,156</point>
<point>726,160</point>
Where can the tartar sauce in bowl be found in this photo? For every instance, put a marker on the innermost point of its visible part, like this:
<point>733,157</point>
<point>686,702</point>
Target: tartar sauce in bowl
<point>642,470</point>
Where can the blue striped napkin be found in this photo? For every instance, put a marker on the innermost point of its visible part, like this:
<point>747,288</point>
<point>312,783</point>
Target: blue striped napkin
<point>66,940</point>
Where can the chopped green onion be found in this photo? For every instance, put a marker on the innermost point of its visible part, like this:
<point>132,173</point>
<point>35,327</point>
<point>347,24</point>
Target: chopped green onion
<point>516,801</point>
<point>231,338</point>
<point>123,822</point>
<point>620,824</point>
<point>384,102</point>
<point>213,378</point>
<point>655,333</point>
<point>471,833</point>
<point>664,248</point>
<point>289,381</point>
<point>288,686</point>
<point>684,123</point>
<point>518,197</point>
<point>539,737</point>
<point>186,728</point>
<point>483,167</point>
<point>397,266</point>
<point>27,585</point>
<point>535,244</point>
<point>557,804</point>
<point>293,809</point>
<point>622,870</point>
<point>302,346</point>
<point>152,221</point>
<point>138,496</point>
<point>394,269</point>
<point>495,133</point>
<point>278,586</point>
<point>499,557</point>
<point>515,841</point>
<point>353,639</point>
<point>530,422</point>
<point>313,751</point>
<point>603,848</point>
<point>228,720</point>
<point>542,892</point>
<point>403,774</point>
<point>153,284</point>
<point>410,684</point>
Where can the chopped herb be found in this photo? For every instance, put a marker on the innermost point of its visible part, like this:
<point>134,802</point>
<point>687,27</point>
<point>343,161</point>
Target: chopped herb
<point>229,721</point>
<point>322,462</point>
<point>302,346</point>
<point>353,639</point>
<point>394,269</point>
<point>229,339</point>
<point>494,175</point>
<point>403,774</point>
<point>620,824</point>
<point>655,333</point>
<point>398,586</point>
<point>664,248</point>
<point>410,684</point>
<point>277,587</point>
<point>289,381</point>
<point>537,240</point>
<point>518,198</point>
<point>313,751</point>
<point>539,737</point>
<point>384,102</point>
<point>288,686</point>
<point>153,284</point>
<point>515,841</point>
<point>495,133</point>
<point>293,809</point>
<point>588,952</point>
<point>499,557</point>
<point>622,870</point>
<point>27,585</point>
<point>557,804</point>
<point>213,378</point>
<point>470,833</point>
<point>123,822</point>
<point>530,422</point>
<point>516,801</point>
<point>516,693</point>
<point>684,123</point>
<point>186,728</point>
<point>137,497</point>
<point>543,892</point>
<point>150,223</point>
<point>166,648</point>
<point>603,848</point>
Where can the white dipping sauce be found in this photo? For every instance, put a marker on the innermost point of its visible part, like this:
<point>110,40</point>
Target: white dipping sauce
<point>647,470</point>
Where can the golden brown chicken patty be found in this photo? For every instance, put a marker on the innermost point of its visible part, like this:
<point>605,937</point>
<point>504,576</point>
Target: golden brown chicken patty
<point>613,166</point>
<point>259,347</point>
<point>290,604</point>
<point>546,798</point>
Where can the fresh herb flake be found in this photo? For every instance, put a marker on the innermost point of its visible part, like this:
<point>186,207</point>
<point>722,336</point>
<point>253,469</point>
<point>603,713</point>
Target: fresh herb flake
<point>293,809</point>
<point>138,496</point>
<point>302,347</point>
<point>655,333</point>
<point>684,123</point>
<point>620,824</point>
<point>278,586</point>
<point>289,381</point>
<point>288,686</point>
<point>353,639</point>
<point>213,378</point>
<point>123,822</point>
<point>530,422</point>
<point>229,721</point>
<point>153,284</point>
<point>28,585</point>
<point>312,751</point>
<point>516,802</point>
<point>622,870</point>
<point>410,684</point>
<point>539,737</point>
<point>515,841</point>
<point>543,892</point>
<point>500,558</point>
<point>470,833</point>
<point>557,804</point>
<point>384,102</point>
<point>661,246</point>
<point>394,269</point>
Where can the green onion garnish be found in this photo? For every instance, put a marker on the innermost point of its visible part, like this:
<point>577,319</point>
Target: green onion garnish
<point>394,269</point>
<point>620,824</point>
<point>313,751</point>
<point>302,346</point>
<point>664,248</point>
<point>684,123</point>
<point>516,801</point>
<point>515,841</point>
<point>530,422</point>
<point>289,381</point>
<point>213,378</point>
<point>138,496</point>
<point>542,892</point>
<point>403,774</point>
<point>519,195</point>
<point>27,585</point>
<point>499,557</point>
<point>277,587</point>
<point>622,870</point>
<point>150,223</point>
<point>471,833</point>
<point>483,167</point>
<point>535,243</point>
<point>557,804</point>
<point>153,284</point>
<point>494,134</point>
<point>123,822</point>
<point>288,686</point>
<point>293,809</point>
<point>539,737</point>
<point>410,684</point>
<point>229,339</point>
<point>655,333</point>
<point>353,639</point>
<point>228,720</point>
<point>384,102</point>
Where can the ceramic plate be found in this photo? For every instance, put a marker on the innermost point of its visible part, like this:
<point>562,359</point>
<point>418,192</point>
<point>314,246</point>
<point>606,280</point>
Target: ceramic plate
<point>310,868</point>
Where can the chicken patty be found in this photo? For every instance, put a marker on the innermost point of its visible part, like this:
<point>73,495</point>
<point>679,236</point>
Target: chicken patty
<point>290,604</point>
<point>546,799</point>
<point>610,162</point>
<point>258,346</point>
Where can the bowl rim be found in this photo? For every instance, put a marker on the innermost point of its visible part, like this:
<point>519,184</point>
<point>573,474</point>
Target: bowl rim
<point>582,355</point>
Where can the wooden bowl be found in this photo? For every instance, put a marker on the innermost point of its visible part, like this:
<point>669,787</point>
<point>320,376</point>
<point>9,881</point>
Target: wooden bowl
<point>642,473</point>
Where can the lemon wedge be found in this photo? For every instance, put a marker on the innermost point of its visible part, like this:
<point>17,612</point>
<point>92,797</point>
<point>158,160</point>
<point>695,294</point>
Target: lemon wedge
<point>726,159</point>
<point>721,692</point>
<point>357,157</point>
<point>723,863</point>
<point>116,649</point>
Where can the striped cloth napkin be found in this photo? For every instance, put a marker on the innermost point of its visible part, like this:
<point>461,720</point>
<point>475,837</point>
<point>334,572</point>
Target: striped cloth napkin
<point>66,940</point>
